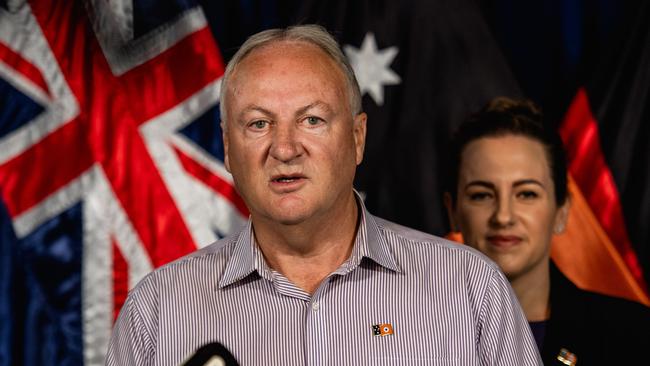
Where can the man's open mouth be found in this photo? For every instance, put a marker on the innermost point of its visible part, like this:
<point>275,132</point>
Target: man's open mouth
<point>287,178</point>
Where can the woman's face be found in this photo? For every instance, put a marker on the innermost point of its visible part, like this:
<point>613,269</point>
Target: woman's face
<point>506,203</point>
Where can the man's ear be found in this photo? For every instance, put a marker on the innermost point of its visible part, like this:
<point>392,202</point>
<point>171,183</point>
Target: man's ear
<point>449,205</point>
<point>359,131</point>
<point>226,142</point>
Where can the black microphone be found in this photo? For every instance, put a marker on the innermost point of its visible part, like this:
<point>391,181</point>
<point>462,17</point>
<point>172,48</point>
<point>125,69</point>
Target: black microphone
<point>212,354</point>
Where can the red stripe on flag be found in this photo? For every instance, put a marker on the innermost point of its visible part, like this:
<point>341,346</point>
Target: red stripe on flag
<point>587,256</point>
<point>587,165</point>
<point>44,168</point>
<point>189,66</point>
<point>213,181</point>
<point>24,67</point>
<point>120,280</point>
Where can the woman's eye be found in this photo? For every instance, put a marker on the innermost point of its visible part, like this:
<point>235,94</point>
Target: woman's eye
<point>527,194</point>
<point>479,196</point>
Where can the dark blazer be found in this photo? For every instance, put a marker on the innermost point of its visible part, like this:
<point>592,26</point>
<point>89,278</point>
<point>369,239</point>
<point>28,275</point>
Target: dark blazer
<point>597,329</point>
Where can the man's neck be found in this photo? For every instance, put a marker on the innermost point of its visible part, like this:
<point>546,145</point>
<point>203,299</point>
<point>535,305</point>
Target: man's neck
<point>533,292</point>
<point>308,252</point>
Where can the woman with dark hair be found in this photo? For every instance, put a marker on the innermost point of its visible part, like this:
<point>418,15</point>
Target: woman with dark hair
<point>507,195</point>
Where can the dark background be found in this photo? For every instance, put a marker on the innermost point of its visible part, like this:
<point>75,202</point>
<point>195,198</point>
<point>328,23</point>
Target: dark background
<point>551,48</point>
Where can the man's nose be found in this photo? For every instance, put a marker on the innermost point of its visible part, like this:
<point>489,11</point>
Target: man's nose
<point>503,215</point>
<point>285,143</point>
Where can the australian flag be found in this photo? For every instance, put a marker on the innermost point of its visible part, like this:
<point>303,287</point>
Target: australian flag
<point>110,164</point>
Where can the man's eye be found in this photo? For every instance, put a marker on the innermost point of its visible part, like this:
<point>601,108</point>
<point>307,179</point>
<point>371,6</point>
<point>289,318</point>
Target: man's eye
<point>313,121</point>
<point>259,124</point>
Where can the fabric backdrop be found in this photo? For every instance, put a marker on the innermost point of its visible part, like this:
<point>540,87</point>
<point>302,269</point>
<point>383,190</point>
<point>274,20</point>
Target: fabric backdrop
<point>111,160</point>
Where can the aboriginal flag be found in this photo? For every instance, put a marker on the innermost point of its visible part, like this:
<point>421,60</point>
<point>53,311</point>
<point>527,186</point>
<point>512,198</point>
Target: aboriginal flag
<point>606,132</point>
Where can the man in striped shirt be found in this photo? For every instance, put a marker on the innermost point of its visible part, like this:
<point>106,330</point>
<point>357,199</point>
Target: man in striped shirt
<point>314,279</point>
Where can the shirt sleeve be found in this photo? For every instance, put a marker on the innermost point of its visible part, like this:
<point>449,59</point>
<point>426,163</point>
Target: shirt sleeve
<point>132,341</point>
<point>504,335</point>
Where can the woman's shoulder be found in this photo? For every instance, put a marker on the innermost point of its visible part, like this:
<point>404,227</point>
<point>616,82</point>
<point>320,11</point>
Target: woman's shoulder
<point>598,328</point>
<point>594,312</point>
<point>606,306</point>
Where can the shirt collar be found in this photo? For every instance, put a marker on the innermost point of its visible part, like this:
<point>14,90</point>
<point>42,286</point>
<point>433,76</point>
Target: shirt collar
<point>246,256</point>
<point>370,243</point>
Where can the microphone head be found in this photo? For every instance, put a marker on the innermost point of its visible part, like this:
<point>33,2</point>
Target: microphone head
<point>212,354</point>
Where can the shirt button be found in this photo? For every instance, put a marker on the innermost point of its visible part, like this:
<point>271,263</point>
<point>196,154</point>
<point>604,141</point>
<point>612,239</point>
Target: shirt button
<point>315,306</point>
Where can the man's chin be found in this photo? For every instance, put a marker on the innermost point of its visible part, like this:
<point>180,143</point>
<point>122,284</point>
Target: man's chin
<point>290,219</point>
<point>289,210</point>
<point>279,214</point>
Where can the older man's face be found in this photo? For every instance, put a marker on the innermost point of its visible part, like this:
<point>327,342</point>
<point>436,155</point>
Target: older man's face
<point>291,142</point>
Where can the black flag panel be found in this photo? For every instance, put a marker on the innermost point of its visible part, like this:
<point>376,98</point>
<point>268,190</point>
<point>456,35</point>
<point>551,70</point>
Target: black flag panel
<point>619,95</point>
<point>443,65</point>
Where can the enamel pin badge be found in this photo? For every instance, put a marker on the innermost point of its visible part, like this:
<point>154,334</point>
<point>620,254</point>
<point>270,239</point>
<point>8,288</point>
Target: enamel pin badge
<point>566,357</point>
<point>384,329</point>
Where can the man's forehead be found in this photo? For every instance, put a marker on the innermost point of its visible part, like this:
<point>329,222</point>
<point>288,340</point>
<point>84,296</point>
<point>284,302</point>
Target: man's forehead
<point>291,60</point>
<point>269,68</point>
<point>283,53</point>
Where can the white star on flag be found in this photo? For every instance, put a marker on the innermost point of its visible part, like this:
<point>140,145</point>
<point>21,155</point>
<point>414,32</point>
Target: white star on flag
<point>372,67</point>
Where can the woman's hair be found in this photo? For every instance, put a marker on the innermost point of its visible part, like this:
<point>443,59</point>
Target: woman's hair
<point>502,117</point>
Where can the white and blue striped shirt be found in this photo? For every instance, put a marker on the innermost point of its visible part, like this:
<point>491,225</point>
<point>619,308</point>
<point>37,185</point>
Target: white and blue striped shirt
<point>446,303</point>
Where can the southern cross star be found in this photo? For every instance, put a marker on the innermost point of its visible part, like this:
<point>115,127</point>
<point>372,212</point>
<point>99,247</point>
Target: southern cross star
<point>372,67</point>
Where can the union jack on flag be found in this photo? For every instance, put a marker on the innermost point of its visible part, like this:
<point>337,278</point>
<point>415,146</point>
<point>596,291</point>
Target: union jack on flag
<point>110,164</point>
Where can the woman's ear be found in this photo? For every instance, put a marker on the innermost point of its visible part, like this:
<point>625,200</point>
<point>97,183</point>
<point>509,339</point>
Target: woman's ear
<point>561,217</point>
<point>449,205</point>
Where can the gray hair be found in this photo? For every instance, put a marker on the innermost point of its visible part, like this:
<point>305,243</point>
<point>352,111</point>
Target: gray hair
<point>310,33</point>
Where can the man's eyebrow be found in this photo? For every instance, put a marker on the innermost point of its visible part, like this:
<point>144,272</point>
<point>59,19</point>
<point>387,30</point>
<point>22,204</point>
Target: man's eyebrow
<point>256,108</point>
<point>316,104</point>
<point>302,110</point>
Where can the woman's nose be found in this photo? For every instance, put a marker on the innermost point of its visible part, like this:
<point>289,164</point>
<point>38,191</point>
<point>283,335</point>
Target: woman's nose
<point>503,212</point>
